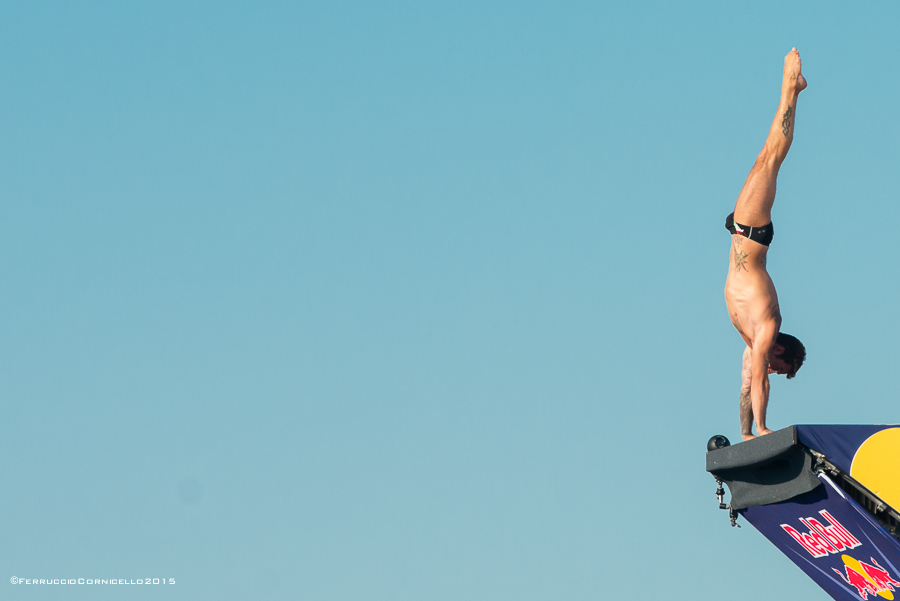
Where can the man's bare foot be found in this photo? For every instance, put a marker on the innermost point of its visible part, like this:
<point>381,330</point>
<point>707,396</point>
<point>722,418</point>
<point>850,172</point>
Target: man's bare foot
<point>747,436</point>
<point>763,431</point>
<point>793,81</point>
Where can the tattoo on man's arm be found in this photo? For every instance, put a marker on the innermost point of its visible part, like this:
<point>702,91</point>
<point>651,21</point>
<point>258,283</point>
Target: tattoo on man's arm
<point>786,121</point>
<point>746,412</point>
<point>776,313</point>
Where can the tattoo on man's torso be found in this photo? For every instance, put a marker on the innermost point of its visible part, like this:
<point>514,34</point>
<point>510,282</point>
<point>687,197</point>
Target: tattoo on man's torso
<point>736,323</point>
<point>740,257</point>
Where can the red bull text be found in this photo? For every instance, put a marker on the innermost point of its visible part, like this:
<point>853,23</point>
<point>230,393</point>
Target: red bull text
<point>820,540</point>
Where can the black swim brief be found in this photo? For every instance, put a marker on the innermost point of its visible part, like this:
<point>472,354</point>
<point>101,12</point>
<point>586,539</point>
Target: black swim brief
<point>763,234</point>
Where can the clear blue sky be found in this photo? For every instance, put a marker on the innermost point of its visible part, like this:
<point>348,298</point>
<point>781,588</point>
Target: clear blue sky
<point>405,301</point>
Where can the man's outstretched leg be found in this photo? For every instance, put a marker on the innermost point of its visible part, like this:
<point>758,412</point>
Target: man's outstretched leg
<point>754,204</point>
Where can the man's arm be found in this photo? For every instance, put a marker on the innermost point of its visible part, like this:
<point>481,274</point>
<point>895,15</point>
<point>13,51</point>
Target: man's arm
<point>759,372</point>
<point>746,410</point>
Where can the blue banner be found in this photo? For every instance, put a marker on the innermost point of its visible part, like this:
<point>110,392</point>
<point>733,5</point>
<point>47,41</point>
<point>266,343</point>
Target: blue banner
<point>838,443</point>
<point>870,454</point>
<point>831,538</point>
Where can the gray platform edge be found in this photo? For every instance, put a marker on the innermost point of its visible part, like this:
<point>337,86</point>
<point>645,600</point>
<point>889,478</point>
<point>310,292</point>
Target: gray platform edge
<point>752,452</point>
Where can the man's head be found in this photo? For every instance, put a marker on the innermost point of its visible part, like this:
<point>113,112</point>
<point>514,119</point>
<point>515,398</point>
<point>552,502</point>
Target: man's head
<point>787,355</point>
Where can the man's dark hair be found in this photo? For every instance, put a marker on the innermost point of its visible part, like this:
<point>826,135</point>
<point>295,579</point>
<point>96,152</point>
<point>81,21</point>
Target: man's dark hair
<point>794,352</point>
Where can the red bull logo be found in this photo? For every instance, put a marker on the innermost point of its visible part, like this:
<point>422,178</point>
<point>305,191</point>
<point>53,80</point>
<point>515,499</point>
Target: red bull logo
<point>821,539</point>
<point>867,579</point>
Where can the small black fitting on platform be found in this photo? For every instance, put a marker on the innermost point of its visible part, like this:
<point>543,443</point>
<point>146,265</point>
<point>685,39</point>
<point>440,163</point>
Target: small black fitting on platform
<point>720,495</point>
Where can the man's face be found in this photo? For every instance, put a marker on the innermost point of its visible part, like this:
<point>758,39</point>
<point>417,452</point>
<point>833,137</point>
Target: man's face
<point>777,365</point>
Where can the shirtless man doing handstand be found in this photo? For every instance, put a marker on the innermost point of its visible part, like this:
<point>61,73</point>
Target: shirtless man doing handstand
<point>749,291</point>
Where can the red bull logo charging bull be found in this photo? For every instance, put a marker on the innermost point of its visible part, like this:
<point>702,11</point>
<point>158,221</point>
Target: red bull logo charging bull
<point>867,579</point>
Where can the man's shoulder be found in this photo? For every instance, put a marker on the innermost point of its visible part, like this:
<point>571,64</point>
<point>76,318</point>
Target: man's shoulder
<point>766,332</point>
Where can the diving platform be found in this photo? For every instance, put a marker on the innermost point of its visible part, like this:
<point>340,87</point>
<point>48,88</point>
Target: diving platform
<point>826,496</point>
